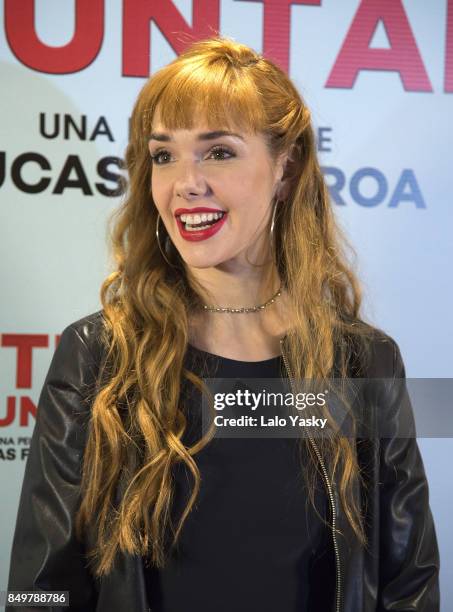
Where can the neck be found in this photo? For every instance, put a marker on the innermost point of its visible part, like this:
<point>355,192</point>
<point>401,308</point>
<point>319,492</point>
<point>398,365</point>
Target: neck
<point>220,289</point>
<point>244,288</point>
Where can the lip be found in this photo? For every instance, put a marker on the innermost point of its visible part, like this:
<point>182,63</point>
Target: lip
<point>196,236</point>
<point>199,209</point>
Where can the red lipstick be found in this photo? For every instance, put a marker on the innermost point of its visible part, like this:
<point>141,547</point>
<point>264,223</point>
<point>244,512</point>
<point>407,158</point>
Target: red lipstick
<point>197,235</point>
<point>198,209</point>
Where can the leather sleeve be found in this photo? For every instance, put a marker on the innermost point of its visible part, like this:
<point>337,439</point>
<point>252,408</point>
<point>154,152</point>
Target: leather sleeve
<point>46,555</point>
<point>409,556</point>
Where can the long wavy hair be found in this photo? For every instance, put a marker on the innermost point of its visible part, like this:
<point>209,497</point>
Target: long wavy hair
<point>135,434</point>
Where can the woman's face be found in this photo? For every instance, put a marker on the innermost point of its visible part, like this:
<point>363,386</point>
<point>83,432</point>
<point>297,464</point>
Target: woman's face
<point>199,172</point>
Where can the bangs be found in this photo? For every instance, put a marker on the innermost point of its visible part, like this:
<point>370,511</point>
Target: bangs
<point>218,94</point>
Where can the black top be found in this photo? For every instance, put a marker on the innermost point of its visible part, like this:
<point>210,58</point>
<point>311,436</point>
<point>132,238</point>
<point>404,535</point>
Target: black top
<point>251,541</point>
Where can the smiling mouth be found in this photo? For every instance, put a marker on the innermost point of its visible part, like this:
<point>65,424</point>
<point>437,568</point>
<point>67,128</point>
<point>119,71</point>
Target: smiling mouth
<point>199,222</point>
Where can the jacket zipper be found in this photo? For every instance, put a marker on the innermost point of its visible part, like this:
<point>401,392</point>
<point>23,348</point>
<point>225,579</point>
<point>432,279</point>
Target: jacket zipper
<point>331,497</point>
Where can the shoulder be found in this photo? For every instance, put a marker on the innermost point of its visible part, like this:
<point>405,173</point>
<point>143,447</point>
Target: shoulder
<point>88,333</point>
<point>75,364</point>
<point>374,353</point>
<point>89,323</point>
<point>383,408</point>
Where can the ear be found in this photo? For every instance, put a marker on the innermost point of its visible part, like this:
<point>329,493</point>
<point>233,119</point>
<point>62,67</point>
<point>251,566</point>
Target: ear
<point>286,171</point>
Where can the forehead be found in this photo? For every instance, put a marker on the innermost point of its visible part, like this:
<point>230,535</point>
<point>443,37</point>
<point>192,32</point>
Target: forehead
<point>200,131</point>
<point>198,122</point>
<point>199,126</point>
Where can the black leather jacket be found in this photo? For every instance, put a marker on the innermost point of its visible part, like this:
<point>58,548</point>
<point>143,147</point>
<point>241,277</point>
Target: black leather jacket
<point>399,571</point>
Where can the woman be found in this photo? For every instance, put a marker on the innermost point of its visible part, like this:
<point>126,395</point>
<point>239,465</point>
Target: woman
<point>229,264</point>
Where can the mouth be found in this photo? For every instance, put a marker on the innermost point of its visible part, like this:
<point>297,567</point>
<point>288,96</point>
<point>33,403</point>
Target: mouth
<point>199,221</point>
<point>200,226</point>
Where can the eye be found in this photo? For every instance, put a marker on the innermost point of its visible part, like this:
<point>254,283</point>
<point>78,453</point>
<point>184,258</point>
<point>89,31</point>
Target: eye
<point>217,150</point>
<point>222,150</point>
<point>155,157</point>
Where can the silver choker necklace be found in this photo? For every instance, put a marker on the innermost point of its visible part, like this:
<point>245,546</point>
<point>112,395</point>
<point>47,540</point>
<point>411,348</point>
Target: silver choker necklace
<point>248,309</point>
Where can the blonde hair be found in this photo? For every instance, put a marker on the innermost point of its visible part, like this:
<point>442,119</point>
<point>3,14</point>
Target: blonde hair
<point>137,424</point>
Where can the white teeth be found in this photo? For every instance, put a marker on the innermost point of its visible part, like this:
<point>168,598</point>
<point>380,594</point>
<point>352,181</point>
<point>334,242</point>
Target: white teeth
<point>196,229</point>
<point>194,220</point>
<point>198,218</point>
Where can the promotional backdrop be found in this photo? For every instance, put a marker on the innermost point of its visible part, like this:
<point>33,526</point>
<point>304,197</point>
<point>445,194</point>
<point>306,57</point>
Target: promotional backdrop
<point>378,78</point>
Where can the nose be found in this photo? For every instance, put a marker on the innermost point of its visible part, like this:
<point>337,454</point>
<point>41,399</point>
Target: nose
<point>190,182</point>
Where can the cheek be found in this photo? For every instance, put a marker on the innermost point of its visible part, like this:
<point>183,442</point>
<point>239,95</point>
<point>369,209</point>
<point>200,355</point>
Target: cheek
<point>158,192</point>
<point>251,191</point>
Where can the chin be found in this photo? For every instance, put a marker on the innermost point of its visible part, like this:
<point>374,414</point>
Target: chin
<point>199,262</point>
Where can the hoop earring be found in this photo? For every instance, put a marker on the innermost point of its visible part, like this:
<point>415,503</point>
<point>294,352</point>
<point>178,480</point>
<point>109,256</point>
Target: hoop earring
<point>166,242</point>
<point>271,233</point>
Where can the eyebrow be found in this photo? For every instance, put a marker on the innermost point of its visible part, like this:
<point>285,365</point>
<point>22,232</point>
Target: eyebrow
<point>203,136</point>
